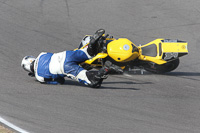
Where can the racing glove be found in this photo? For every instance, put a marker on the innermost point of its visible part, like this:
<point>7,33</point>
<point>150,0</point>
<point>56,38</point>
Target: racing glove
<point>92,47</point>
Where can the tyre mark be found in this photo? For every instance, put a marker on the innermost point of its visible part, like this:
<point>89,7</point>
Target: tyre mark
<point>67,6</point>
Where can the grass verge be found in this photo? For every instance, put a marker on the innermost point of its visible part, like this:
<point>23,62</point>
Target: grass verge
<point>5,130</point>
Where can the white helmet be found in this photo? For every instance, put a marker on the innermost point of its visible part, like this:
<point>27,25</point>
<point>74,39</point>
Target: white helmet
<point>27,63</point>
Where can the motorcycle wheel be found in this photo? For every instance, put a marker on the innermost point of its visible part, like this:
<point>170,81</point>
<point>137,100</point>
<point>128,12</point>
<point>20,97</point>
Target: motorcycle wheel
<point>164,68</point>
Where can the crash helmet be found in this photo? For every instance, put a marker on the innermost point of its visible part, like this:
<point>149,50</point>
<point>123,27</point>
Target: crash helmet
<point>28,63</point>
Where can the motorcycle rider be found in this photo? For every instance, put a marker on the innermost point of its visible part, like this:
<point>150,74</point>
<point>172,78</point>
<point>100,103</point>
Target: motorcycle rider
<point>51,68</point>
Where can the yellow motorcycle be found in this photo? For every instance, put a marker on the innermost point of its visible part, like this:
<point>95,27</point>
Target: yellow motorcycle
<point>159,56</point>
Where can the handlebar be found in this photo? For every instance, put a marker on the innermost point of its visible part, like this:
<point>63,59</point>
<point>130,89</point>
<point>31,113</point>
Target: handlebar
<point>106,36</point>
<point>102,45</point>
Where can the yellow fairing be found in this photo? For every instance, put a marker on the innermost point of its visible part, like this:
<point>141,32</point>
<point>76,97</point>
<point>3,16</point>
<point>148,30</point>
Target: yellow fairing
<point>160,50</point>
<point>98,56</point>
<point>174,47</point>
<point>122,50</point>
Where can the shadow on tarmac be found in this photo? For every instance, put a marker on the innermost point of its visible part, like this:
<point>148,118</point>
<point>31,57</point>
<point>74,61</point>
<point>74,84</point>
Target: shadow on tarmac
<point>74,83</point>
<point>169,73</point>
<point>183,74</point>
<point>195,76</point>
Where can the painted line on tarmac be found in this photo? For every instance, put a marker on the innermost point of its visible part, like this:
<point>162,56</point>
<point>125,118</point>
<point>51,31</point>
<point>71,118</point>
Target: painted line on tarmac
<point>12,126</point>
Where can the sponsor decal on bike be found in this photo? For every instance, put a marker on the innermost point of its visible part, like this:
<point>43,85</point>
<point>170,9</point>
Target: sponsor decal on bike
<point>168,56</point>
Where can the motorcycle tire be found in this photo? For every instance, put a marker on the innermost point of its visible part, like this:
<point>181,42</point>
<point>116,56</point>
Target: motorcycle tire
<point>164,68</point>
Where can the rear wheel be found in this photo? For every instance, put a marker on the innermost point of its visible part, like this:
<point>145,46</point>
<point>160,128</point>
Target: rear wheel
<point>159,69</point>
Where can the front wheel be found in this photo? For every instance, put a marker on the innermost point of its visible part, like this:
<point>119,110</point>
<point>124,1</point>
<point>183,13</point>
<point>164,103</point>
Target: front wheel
<point>159,69</point>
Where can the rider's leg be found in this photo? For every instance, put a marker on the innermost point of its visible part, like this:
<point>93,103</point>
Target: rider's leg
<point>95,78</point>
<point>92,78</point>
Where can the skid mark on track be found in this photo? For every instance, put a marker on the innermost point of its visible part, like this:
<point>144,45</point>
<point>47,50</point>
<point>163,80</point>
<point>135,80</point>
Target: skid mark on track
<point>67,6</point>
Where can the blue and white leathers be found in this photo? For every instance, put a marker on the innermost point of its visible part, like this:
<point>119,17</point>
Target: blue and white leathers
<point>50,66</point>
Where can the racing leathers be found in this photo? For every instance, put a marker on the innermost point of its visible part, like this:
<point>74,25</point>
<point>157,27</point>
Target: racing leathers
<point>51,68</point>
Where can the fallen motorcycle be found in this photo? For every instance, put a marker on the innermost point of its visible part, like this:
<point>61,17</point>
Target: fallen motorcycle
<point>158,56</point>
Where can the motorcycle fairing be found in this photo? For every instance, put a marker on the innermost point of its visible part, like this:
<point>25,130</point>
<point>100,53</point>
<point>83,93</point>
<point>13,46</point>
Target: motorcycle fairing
<point>98,56</point>
<point>161,51</point>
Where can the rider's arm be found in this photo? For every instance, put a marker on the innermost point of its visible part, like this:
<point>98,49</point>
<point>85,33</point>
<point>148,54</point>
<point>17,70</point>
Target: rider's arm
<point>56,81</point>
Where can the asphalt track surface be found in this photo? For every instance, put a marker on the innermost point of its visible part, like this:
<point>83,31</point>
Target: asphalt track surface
<point>136,103</point>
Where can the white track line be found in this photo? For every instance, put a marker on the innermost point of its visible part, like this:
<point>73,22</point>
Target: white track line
<point>10,125</point>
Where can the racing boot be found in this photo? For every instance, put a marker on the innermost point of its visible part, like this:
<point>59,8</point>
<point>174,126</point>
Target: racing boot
<point>92,47</point>
<point>98,77</point>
